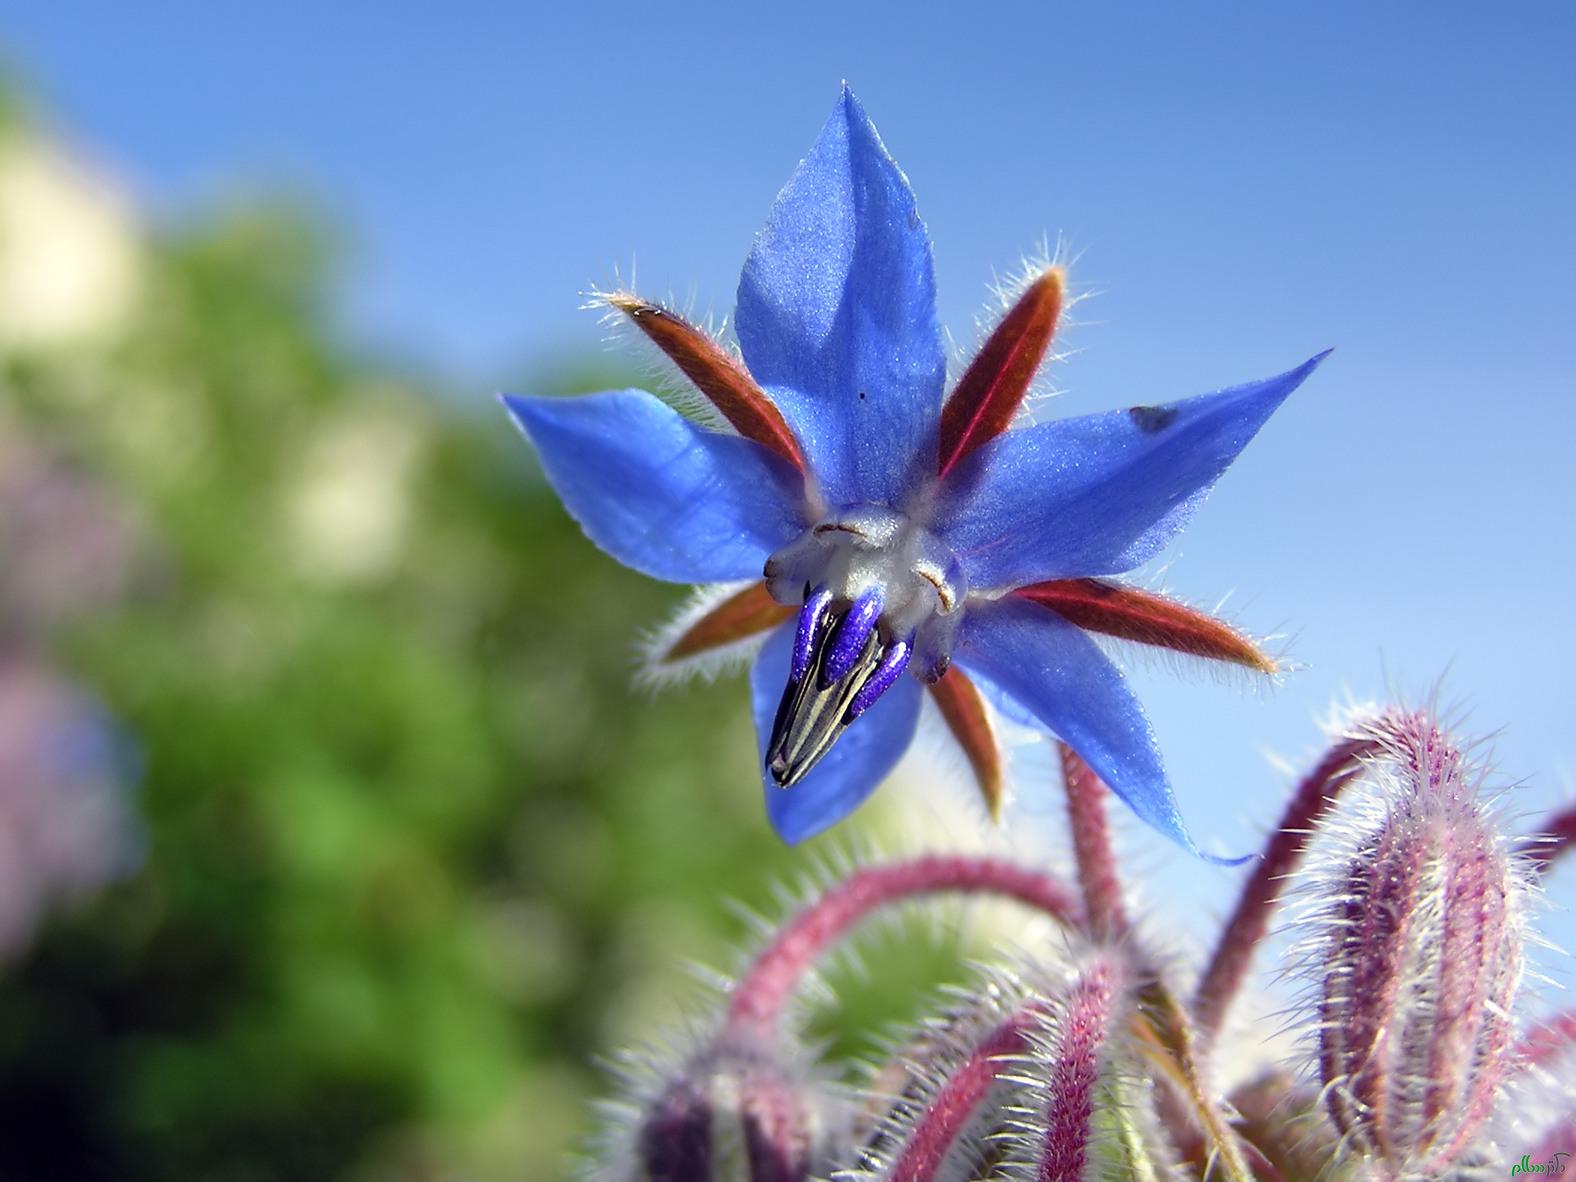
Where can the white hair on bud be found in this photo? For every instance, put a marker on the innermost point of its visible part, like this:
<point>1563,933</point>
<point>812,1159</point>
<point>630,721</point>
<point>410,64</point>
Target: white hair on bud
<point>1537,1109</point>
<point>923,1060</point>
<point>1119,1135</point>
<point>1384,796</point>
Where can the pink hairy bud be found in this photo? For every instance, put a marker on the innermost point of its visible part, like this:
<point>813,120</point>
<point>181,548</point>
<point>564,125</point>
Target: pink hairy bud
<point>1422,914</point>
<point>736,1111</point>
<point>1015,1083</point>
<point>1069,1069</point>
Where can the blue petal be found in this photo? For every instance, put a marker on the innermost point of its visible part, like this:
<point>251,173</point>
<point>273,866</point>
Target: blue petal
<point>659,493</point>
<point>837,316</point>
<point>1100,494</point>
<point>1057,672</point>
<point>855,765</point>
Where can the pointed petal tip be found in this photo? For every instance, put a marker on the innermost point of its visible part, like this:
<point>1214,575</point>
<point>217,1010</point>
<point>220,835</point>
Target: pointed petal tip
<point>519,409</point>
<point>836,314</point>
<point>863,134</point>
<point>1220,859</point>
<point>1060,675</point>
<point>1295,377</point>
<point>655,491</point>
<point>1175,830</point>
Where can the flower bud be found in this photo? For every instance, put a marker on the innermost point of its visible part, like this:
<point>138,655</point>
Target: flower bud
<point>948,1092</point>
<point>1018,1079</point>
<point>1421,910</point>
<point>738,1110</point>
<point>1074,1120</point>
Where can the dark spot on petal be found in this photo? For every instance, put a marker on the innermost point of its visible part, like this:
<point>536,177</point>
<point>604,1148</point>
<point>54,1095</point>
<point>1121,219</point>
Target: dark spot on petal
<point>1150,419</point>
<point>861,396</point>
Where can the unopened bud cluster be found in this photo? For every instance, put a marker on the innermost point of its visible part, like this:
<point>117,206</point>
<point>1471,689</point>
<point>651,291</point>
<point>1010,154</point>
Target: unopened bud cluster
<point>1091,1061</point>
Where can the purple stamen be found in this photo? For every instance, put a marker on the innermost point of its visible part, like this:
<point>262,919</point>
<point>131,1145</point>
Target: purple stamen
<point>810,617</point>
<point>893,662</point>
<point>848,643</point>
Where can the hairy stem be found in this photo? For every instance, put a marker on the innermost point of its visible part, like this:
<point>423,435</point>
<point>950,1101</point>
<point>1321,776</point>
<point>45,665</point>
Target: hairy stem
<point>959,1100</point>
<point>1555,836</point>
<point>759,998</point>
<point>1097,873</point>
<point>1234,952</point>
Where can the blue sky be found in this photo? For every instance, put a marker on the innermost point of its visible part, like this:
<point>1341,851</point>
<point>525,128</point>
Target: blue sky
<point>1247,184</point>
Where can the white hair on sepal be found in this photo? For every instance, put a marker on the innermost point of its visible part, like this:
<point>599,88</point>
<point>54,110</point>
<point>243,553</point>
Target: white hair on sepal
<point>657,672</point>
<point>1129,655</point>
<point>659,371</point>
<point>1196,668</point>
<point>1005,291</point>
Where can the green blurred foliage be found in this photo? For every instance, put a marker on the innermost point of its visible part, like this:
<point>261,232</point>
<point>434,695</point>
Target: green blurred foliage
<point>417,849</point>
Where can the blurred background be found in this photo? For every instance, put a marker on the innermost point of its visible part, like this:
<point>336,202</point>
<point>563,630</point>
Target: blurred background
<point>335,842</point>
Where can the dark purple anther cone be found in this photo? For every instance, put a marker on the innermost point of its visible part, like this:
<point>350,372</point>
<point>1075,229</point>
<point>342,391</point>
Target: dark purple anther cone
<point>848,643</point>
<point>834,661</point>
<point>893,662</point>
<point>811,617</point>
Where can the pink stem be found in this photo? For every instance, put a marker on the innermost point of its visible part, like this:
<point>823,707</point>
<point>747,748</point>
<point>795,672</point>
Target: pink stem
<point>1561,835</point>
<point>1075,1075</point>
<point>959,1099</point>
<point>1234,953</point>
<point>1097,873</point>
<point>759,998</point>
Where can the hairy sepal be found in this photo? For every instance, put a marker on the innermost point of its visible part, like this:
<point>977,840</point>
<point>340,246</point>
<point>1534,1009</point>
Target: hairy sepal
<point>719,630</point>
<point>963,708</point>
<point>1416,906</point>
<point>993,386</point>
<point>1145,617</point>
<point>715,372</point>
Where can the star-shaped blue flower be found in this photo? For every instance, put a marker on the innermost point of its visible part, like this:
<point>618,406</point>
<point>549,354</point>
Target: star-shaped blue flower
<point>919,541</point>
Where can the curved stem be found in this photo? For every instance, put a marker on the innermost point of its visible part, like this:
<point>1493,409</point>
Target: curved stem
<point>758,1000</point>
<point>1234,952</point>
<point>1555,836</point>
<point>957,1102</point>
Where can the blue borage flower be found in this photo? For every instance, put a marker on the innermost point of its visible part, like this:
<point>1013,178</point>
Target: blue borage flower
<point>893,540</point>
